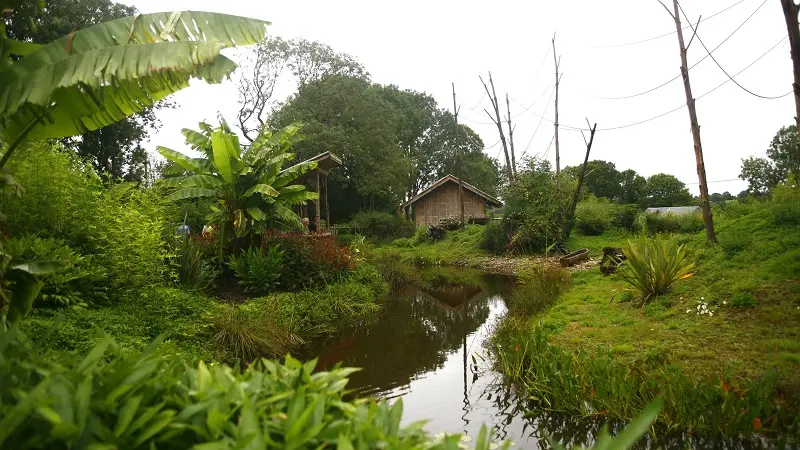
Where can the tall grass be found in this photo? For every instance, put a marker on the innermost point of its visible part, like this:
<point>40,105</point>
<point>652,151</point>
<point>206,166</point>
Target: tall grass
<point>588,385</point>
<point>246,335</point>
<point>539,289</point>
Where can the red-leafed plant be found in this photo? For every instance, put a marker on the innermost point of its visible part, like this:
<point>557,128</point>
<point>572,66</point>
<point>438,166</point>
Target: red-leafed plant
<point>309,260</point>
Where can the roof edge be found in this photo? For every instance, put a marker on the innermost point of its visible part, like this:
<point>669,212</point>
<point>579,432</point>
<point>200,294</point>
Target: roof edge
<point>441,182</point>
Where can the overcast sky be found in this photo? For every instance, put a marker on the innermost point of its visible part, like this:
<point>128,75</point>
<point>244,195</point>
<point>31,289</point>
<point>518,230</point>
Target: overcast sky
<point>426,45</point>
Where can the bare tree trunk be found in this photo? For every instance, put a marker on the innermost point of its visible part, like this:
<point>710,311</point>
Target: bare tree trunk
<point>705,205</point>
<point>571,213</point>
<point>511,138</point>
<point>790,11</point>
<point>458,157</point>
<point>496,119</point>
<point>557,62</point>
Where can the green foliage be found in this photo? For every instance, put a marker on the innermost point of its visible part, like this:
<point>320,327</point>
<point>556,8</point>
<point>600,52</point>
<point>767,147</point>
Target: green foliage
<point>246,334</point>
<point>666,190</point>
<point>309,261</point>
<point>625,217</point>
<point>654,265</point>
<point>259,271</point>
<point>785,205</point>
<point>539,289</point>
<point>435,232</point>
<point>451,223</point>
<point>496,237</point>
<point>593,218</point>
<point>77,282</point>
<point>195,269</point>
<point>781,164</point>
<point>674,223</point>
<point>743,300</point>
<point>382,225</point>
<point>143,400</point>
<point>393,268</point>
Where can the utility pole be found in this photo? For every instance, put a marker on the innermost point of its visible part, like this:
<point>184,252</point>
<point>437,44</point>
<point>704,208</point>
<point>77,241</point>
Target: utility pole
<point>557,62</point>
<point>511,137</point>
<point>458,157</point>
<point>496,120</point>
<point>698,146</point>
<point>790,11</point>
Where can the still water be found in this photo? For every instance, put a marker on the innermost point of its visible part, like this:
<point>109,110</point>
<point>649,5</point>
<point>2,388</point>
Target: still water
<point>421,349</point>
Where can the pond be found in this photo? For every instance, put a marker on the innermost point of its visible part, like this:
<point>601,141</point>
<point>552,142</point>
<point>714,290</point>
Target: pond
<point>428,347</point>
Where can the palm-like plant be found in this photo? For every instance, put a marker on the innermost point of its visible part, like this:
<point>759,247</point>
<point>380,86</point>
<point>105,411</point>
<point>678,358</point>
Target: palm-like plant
<point>252,190</point>
<point>652,266</point>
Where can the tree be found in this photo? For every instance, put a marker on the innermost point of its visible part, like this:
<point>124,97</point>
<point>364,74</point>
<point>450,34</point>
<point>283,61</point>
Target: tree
<point>632,187</point>
<point>267,65</point>
<point>114,150</point>
<point>781,163</point>
<point>666,190</point>
<point>251,190</point>
<point>602,179</point>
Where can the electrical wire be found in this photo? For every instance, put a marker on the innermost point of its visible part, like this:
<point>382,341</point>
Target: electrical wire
<point>693,65</point>
<point>718,64</point>
<point>667,34</point>
<point>476,105</point>
<point>540,122</point>
<point>528,108</point>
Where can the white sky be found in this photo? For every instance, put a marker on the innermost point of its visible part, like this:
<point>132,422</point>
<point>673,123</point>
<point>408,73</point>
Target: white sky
<point>426,45</point>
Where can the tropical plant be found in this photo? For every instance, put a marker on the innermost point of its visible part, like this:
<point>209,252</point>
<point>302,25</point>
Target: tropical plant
<point>102,74</point>
<point>20,284</point>
<point>654,265</point>
<point>258,271</point>
<point>194,269</point>
<point>309,260</point>
<point>251,190</point>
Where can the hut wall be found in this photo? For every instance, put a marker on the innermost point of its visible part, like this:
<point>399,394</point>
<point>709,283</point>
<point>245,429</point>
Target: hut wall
<point>442,203</point>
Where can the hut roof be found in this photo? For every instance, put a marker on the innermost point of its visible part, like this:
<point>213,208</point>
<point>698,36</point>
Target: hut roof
<point>325,161</point>
<point>677,210</point>
<point>449,178</point>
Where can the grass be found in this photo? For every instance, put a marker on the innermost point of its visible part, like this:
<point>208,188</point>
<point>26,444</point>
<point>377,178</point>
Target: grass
<point>456,246</point>
<point>755,263</point>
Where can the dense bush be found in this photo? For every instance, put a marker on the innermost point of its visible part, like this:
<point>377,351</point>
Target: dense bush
<point>652,266</point>
<point>785,205</point>
<point>309,260</point>
<point>593,218</point>
<point>79,282</point>
<point>625,217</point>
<point>436,232</point>
<point>112,399</point>
<point>258,270</point>
<point>674,223</point>
<point>496,237</point>
<point>451,223</point>
<point>382,225</point>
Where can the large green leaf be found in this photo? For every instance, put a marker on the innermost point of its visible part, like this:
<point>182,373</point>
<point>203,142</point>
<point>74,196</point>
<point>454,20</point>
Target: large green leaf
<point>100,75</point>
<point>292,173</point>
<point>297,197</point>
<point>222,147</point>
<point>179,158</point>
<point>197,140</point>
<point>262,189</point>
<point>192,192</point>
<point>268,140</point>
<point>203,181</point>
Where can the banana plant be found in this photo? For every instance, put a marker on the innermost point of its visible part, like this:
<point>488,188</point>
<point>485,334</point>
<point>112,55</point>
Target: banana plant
<point>94,77</point>
<point>20,285</point>
<point>253,191</point>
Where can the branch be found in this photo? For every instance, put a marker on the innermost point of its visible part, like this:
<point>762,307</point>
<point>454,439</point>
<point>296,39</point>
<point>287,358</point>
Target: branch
<point>693,34</point>
<point>668,11</point>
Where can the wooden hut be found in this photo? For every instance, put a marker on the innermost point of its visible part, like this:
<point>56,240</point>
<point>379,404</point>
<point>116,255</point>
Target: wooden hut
<point>317,181</point>
<point>440,201</point>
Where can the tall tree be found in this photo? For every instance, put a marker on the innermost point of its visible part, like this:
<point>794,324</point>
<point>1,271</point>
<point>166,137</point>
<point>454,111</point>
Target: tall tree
<point>666,190</point>
<point>781,164</point>
<point>602,179</point>
<point>294,63</point>
<point>114,150</point>
<point>632,187</point>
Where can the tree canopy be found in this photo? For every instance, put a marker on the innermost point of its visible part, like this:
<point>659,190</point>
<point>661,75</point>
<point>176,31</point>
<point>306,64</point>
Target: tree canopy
<point>782,162</point>
<point>666,190</point>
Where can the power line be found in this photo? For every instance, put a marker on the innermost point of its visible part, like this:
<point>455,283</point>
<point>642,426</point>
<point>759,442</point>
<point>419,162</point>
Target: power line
<point>528,109</point>
<point>572,128</point>
<point>540,122</point>
<point>693,65</point>
<point>667,34</point>
<point>717,62</point>
<point>477,105</point>
<point>717,181</point>
<point>492,146</point>
<point>547,152</point>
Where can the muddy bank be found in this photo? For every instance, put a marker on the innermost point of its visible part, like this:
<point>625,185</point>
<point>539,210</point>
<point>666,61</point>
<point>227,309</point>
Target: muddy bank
<point>515,265</point>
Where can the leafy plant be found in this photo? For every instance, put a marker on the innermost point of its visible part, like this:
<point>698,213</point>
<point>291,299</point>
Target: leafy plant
<point>77,282</point>
<point>451,223</point>
<point>259,271</point>
<point>195,270</point>
<point>593,217</point>
<point>674,223</point>
<point>653,265</point>
<point>436,232</point>
<point>381,225</point>
<point>64,88</point>
<point>743,300</point>
<point>309,260</point>
<point>246,335</point>
<point>253,193</point>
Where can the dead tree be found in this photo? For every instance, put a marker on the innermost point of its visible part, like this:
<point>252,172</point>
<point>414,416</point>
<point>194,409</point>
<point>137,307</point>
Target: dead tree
<point>790,12</point>
<point>557,61</point>
<point>458,156</point>
<point>257,84</point>
<point>705,205</point>
<point>571,213</point>
<point>496,120</point>
<point>511,137</point>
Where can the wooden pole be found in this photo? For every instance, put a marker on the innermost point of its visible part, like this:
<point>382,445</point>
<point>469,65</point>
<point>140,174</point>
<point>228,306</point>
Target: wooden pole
<point>327,207</point>
<point>571,216</point>
<point>496,119</point>
<point>705,205</point>
<point>458,157</point>
<point>790,12</point>
<point>316,204</point>
<point>557,62</point>
<point>511,137</point>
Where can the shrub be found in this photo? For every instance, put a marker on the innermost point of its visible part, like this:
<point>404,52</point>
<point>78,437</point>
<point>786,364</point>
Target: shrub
<point>393,268</point>
<point>495,237</point>
<point>420,236</point>
<point>79,282</point>
<point>309,260</point>
<point>743,300</point>
<point>113,399</point>
<point>654,265</point>
<point>436,232</point>
<point>450,223</point>
<point>403,243</point>
<point>258,271</point>
<point>674,223</point>
<point>540,289</point>
<point>246,334</point>
<point>382,225</point>
<point>785,205</point>
<point>534,235</point>
<point>195,269</point>
<point>625,217</point>
<point>593,218</point>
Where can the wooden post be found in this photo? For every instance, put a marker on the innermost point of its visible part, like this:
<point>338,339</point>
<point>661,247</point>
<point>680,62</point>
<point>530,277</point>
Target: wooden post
<point>557,61</point>
<point>571,216</point>
<point>511,137</point>
<point>790,12</point>
<point>327,206</point>
<point>705,205</point>
<point>458,157</point>
<point>496,119</point>
<point>316,203</point>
